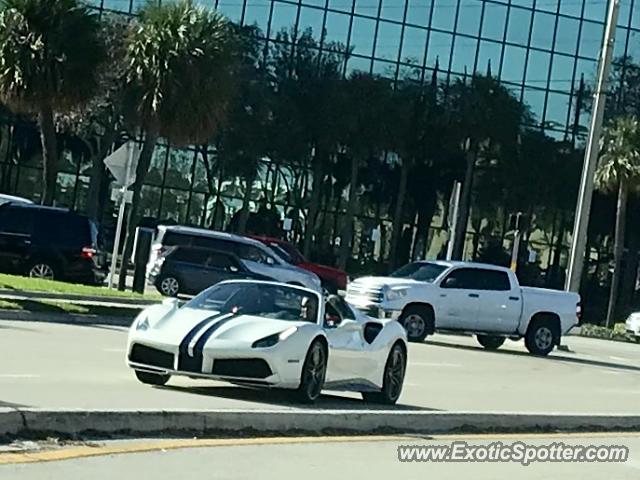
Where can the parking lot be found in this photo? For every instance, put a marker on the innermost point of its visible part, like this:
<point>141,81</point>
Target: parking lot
<point>56,365</point>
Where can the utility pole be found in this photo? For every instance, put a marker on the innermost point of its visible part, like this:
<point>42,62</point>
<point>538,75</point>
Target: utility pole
<point>585,195</point>
<point>454,211</point>
<point>518,223</point>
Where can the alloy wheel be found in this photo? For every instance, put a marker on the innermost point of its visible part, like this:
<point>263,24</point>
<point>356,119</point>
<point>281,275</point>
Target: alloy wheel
<point>169,286</point>
<point>414,325</point>
<point>543,338</point>
<point>42,270</point>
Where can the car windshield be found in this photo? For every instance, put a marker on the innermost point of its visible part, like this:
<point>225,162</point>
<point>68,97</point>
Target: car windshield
<point>421,271</point>
<point>259,299</point>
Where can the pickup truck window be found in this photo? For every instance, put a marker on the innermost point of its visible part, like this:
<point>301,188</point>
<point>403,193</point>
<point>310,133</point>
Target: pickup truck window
<point>477,279</point>
<point>421,271</point>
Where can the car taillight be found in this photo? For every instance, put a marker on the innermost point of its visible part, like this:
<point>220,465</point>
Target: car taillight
<point>161,251</point>
<point>579,312</point>
<point>88,252</point>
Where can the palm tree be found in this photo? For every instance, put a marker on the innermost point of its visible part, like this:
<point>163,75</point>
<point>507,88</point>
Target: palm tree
<point>180,76</point>
<point>365,136</point>
<point>619,170</point>
<point>306,108</point>
<point>50,52</point>
<point>487,118</point>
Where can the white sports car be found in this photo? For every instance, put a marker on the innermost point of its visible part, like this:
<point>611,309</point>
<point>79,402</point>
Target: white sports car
<point>270,335</point>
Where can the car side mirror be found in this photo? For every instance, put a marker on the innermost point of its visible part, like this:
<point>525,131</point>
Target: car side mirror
<point>234,269</point>
<point>270,261</point>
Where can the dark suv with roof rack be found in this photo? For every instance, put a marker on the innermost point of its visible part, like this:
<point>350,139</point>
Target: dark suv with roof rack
<point>50,243</point>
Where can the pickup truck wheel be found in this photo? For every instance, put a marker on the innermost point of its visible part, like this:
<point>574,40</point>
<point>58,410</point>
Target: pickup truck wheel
<point>490,342</point>
<point>418,322</point>
<point>542,336</point>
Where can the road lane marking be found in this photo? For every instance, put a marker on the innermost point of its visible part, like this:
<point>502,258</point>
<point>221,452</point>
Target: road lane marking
<point>162,445</point>
<point>620,359</point>
<point>115,350</point>
<point>18,375</point>
<point>435,364</point>
<point>86,451</point>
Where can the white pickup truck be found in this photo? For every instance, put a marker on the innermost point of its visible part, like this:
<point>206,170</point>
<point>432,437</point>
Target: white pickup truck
<point>484,300</point>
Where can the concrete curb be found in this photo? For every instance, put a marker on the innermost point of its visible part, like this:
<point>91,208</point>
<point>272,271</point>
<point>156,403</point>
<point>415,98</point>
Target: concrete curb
<point>122,302</point>
<point>42,423</point>
<point>67,318</point>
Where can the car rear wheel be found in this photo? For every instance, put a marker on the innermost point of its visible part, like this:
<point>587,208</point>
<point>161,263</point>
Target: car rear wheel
<point>169,286</point>
<point>418,322</point>
<point>393,379</point>
<point>490,342</point>
<point>42,269</point>
<point>313,374</point>
<point>542,336</point>
<point>149,378</point>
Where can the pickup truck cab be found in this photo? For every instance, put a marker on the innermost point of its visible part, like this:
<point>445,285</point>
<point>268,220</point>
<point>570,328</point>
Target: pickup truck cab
<point>485,300</point>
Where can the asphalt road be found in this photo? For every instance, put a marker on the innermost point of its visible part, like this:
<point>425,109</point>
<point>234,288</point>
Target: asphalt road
<point>367,459</point>
<point>70,366</point>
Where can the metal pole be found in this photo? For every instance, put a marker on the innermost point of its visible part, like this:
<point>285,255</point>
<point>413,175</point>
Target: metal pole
<point>123,203</point>
<point>517,237</point>
<point>453,222</point>
<point>583,208</point>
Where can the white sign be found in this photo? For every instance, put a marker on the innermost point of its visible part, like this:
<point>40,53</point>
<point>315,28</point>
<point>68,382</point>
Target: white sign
<point>376,234</point>
<point>117,163</point>
<point>287,224</point>
<point>116,195</point>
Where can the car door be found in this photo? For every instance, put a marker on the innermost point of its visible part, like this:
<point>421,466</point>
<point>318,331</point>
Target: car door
<point>189,266</point>
<point>346,343</point>
<point>500,303</point>
<point>16,226</point>
<point>220,266</point>
<point>458,300</point>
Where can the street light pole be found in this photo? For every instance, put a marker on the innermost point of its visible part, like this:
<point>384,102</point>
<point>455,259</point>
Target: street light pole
<point>583,208</point>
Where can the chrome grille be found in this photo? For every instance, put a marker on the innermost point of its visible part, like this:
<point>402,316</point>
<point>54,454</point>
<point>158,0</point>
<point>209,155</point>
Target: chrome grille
<point>364,292</point>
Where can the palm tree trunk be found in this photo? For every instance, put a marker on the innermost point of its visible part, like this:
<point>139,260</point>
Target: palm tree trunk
<point>618,250</point>
<point>246,200</point>
<point>49,154</point>
<point>465,206</point>
<point>133,217</point>
<point>398,214</point>
<point>314,205</point>
<point>98,173</point>
<point>347,227</point>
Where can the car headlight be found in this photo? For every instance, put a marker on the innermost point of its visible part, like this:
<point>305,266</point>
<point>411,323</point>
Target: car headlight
<point>392,294</point>
<point>272,340</point>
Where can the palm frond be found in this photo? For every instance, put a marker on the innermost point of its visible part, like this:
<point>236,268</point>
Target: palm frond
<point>620,154</point>
<point>50,52</point>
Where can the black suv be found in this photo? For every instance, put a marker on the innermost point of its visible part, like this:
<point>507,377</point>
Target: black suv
<point>51,243</point>
<point>190,270</point>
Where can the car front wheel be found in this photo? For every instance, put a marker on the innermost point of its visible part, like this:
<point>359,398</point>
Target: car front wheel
<point>418,322</point>
<point>313,374</point>
<point>149,378</point>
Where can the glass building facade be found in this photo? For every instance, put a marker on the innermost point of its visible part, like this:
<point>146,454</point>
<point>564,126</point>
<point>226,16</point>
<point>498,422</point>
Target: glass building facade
<point>542,50</point>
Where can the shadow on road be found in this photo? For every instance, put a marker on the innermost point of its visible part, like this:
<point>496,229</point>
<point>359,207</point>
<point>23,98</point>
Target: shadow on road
<point>282,398</point>
<point>12,405</point>
<point>554,357</point>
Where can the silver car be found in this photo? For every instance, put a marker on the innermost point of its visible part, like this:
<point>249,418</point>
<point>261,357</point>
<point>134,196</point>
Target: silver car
<point>256,257</point>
